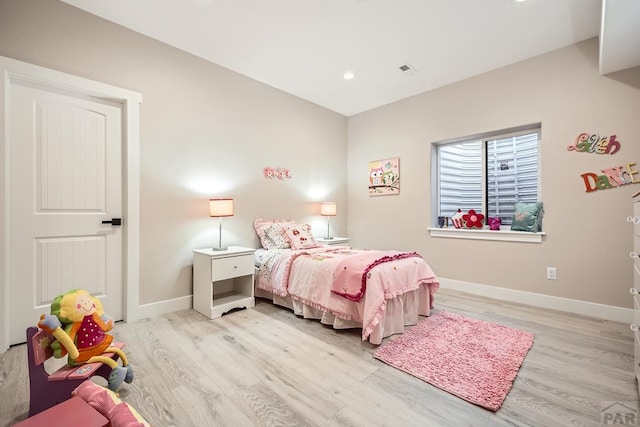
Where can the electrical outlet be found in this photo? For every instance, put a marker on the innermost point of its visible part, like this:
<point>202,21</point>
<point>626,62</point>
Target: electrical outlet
<point>552,274</point>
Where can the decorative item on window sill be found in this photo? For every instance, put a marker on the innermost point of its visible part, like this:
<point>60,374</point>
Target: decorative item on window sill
<point>443,221</point>
<point>495,223</point>
<point>457,220</point>
<point>473,219</point>
<point>328,209</point>
<point>527,217</point>
<point>219,208</point>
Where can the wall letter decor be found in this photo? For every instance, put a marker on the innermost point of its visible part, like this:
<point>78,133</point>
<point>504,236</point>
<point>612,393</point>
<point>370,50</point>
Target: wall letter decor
<point>277,173</point>
<point>616,176</point>
<point>384,177</point>
<point>594,144</point>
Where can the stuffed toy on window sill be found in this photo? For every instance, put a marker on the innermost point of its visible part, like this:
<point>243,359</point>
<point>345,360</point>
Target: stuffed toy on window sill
<point>80,326</point>
<point>495,223</point>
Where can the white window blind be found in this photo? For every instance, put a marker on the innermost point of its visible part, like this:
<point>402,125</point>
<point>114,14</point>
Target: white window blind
<point>512,174</point>
<point>488,175</point>
<point>460,183</point>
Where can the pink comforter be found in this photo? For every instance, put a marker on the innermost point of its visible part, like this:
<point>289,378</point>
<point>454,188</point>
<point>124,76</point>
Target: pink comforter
<point>308,276</point>
<point>351,275</point>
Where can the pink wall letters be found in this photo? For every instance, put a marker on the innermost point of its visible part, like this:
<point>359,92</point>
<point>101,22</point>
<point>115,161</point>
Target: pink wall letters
<point>277,173</point>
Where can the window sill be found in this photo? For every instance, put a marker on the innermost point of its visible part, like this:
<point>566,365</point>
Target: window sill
<point>504,235</point>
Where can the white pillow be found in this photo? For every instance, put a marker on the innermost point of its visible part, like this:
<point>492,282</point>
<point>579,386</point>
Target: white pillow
<point>261,225</point>
<point>275,238</point>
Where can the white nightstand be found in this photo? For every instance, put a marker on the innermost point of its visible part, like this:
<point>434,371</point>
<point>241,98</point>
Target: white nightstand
<point>222,280</point>
<point>333,242</point>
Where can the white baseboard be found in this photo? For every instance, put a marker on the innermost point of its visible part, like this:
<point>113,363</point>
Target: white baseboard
<point>162,307</point>
<point>585,308</point>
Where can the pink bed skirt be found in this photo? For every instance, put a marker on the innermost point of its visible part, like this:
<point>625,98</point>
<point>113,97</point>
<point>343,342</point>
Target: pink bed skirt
<point>401,311</point>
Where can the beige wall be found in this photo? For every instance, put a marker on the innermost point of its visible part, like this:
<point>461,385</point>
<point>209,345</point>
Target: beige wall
<point>205,131</point>
<point>588,239</point>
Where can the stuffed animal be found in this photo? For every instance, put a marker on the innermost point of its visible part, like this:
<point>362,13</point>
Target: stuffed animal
<point>494,223</point>
<point>79,324</point>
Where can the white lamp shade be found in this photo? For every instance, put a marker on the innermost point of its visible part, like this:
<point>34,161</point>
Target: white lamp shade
<point>328,209</point>
<point>220,207</point>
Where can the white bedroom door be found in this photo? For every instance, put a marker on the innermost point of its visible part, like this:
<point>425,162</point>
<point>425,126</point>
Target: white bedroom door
<point>65,180</point>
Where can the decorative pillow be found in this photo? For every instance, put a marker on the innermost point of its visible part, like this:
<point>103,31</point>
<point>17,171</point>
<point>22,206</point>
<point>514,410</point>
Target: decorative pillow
<point>124,415</point>
<point>275,238</point>
<point>261,225</point>
<point>99,398</point>
<point>527,217</point>
<point>300,237</point>
<point>473,219</point>
<point>105,401</point>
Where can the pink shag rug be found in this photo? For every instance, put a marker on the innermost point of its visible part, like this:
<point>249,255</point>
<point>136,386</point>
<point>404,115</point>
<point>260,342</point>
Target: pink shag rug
<point>469,358</point>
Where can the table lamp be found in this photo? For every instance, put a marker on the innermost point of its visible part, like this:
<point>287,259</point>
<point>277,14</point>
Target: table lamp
<point>219,208</point>
<point>328,209</point>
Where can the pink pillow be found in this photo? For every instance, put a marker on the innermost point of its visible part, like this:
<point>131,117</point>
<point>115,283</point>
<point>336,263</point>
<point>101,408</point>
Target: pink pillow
<point>261,225</point>
<point>105,401</point>
<point>99,398</point>
<point>123,415</point>
<point>300,237</point>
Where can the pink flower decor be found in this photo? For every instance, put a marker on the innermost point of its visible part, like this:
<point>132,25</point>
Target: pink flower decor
<point>473,219</point>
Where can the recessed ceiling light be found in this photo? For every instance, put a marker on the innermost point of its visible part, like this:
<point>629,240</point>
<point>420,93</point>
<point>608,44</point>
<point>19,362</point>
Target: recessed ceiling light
<point>348,75</point>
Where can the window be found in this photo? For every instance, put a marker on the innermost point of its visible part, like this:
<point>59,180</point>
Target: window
<point>488,173</point>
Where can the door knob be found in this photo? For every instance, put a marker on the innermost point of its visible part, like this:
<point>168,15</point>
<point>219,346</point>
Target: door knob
<point>114,221</point>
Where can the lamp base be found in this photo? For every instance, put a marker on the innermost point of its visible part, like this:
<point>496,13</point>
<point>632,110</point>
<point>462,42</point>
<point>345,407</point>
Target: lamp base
<point>328,238</point>
<point>220,249</point>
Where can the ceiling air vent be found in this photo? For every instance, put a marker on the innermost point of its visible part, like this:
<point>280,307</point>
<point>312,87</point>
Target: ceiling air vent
<point>407,69</point>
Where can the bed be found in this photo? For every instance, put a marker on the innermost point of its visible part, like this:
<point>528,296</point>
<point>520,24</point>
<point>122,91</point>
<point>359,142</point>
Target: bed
<point>379,292</point>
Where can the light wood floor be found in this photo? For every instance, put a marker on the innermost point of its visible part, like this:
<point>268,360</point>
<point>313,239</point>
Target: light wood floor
<point>266,367</point>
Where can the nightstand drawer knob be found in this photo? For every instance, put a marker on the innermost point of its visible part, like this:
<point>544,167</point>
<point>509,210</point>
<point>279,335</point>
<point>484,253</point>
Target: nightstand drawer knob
<point>633,327</point>
<point>634,219</point>
<point>633,254</point>
<point>633,291</point>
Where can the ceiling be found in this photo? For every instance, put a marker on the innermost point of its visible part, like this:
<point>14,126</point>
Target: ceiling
<point>303,47</point>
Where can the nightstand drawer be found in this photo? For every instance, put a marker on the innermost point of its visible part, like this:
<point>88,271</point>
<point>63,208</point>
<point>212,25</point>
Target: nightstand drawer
<point>226,268</point>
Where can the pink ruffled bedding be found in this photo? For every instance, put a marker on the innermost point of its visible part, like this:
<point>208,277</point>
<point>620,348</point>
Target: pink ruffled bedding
<point>352,273</point>
<point>308,276</point>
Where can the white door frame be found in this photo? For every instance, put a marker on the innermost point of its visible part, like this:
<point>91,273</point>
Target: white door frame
<point>13,70</point>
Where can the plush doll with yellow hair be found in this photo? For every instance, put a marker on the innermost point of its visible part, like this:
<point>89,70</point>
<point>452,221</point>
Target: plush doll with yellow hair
<point>79,324</point>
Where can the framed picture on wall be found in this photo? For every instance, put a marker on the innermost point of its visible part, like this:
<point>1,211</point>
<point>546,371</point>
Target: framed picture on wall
<point>384,177</point>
